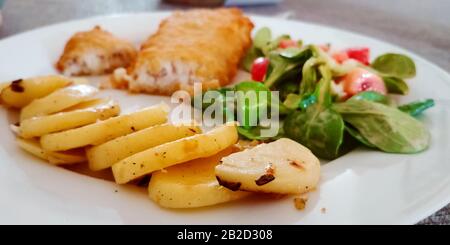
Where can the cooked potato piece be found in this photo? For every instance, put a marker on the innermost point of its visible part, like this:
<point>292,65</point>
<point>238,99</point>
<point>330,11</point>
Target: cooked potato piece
<point>57,158</point>
<point>105,155</point>
<point>58,101</point>
<point>283,166</point>
<point>3,86</point>
<point>91,113</point>
<point>79,80</point>
<point>192,184</point>
<point>176,152</point>
<point>103,131</point>
<point>21,92</point>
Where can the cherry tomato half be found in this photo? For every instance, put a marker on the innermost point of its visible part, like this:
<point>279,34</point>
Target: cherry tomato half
<point>359,80</point>
<point>259,69</point>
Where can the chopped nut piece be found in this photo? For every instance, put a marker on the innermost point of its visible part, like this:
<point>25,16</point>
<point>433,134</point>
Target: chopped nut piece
<point>300,203</point>
<point>264,179</point>
<point>234,186</point>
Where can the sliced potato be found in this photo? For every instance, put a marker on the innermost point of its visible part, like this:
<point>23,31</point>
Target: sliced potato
<point>38,126</point>
<point>176,152</point>
<point>191,185</point>
<point>20,93</point>
<point>88,104</point>
<point>4,85</point>
<point>103,131</point>
<point>58,101</point>
<point>58,158</point>
<point>79,80</point>
<point>283,166</point>
<point>105,155</point>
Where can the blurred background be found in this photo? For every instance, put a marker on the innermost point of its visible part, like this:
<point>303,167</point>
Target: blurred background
<point>420,26</point>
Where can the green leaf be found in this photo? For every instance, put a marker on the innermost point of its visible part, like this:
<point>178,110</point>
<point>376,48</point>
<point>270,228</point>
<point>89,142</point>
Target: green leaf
<point>396,85</point>
<point>319,129</point>
<point>416,108</point>
<point>281,67</point>
<point>246,86</point>
<point>323,88</point>
<point>253,133</point>
<point>278,68</point>
<point>252,54</point>
<point>292,101</point>
<point>248,109</point>
<point>283,110</point>
<point>310,75</point>
<point>395,65</point>
<point>355,134</point>
<point>388,128</point>
<point>286,88</point>
<point>262,37</point>
<point>296,54</point>
<point>372,96</point>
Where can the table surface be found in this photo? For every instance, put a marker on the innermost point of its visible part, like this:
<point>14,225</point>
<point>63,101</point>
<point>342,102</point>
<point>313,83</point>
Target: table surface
<point>421,26</point>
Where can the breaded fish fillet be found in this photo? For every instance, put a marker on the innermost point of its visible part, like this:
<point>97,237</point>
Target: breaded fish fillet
<point>95,52</point>
<point>203,45</point>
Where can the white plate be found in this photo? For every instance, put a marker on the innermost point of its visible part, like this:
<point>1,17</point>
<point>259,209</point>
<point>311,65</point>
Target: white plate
<point>363,187</point>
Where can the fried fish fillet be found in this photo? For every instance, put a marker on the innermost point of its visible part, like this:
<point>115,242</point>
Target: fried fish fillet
<point>95,52</point>
<point>203,45</point>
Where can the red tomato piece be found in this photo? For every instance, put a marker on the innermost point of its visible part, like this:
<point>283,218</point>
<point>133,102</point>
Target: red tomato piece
<point>360,54</point>
<point>259,69</point>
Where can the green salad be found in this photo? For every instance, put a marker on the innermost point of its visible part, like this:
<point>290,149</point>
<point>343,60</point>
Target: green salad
<point>329,100</point>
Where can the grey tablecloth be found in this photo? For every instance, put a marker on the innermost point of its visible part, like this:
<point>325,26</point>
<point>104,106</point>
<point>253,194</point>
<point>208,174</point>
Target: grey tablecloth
<point>421,26</point>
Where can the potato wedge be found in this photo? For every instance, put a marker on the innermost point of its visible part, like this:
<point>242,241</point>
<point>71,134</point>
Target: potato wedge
<point>103,131</point>
<point>58,101</point>
<point>105,155</point>
<point>33,147</point>
<point>20,93</point>
<point>97,110</point>
<point>282,167</point>
<point>192,184</point>
<point>176,152</point>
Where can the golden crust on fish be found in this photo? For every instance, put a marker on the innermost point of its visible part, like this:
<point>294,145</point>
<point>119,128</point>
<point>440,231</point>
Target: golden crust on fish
<point>95,52</point>
<point>191,46</point>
